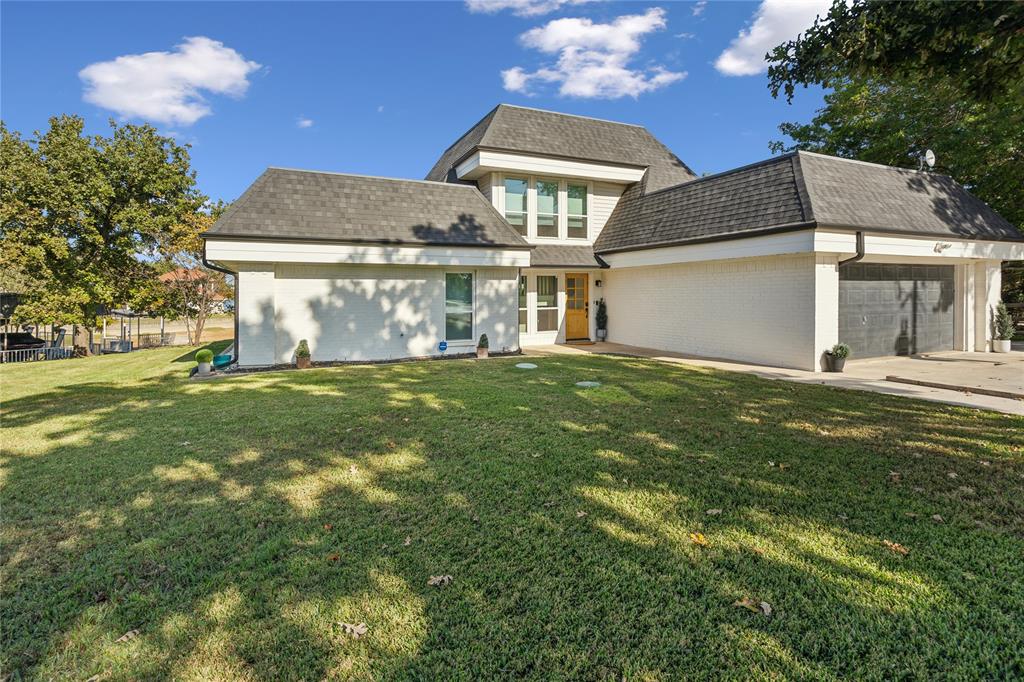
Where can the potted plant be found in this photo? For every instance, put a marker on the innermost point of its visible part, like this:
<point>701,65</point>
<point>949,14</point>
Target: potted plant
<point>482,346</point>
<point>1003,330</point>
<point>204,357</point>
<point>602,320</point>
<point>837,355</point>
<point>302,356</point>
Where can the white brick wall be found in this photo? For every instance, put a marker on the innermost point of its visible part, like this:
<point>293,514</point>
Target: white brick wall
<point>759,310</point>
<point>826,305</point>
<point>364,312</point>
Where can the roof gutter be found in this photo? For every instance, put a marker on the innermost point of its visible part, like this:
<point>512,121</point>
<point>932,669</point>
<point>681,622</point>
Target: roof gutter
<point>208,264</point>
<point>860,251</point>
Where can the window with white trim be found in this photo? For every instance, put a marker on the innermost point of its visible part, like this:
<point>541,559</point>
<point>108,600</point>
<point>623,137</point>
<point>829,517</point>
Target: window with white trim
<point>458,306</point>
<point>547,303</point>
<point>523,312</point>
<point>547,208</point>
<point>515,203</point>
<point>576,204</point>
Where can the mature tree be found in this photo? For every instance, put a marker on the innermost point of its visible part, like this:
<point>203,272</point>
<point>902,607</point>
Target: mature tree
<point>78,214</point>
<point>977,46</point>
<point>980,144</point>
<point>192,290</point>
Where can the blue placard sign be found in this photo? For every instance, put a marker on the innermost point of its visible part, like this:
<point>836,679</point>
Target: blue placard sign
<point>443,346</point>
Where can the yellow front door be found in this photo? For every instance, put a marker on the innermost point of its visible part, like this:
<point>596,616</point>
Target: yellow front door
<point>577,307</point>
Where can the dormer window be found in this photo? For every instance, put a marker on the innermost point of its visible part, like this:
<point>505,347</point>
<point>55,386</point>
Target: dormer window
<point>577,210</point>
<point>515,203</point>
<point>547,208</point>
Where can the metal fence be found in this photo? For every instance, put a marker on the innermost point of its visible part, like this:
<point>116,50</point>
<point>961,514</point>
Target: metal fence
<point>35,354</point>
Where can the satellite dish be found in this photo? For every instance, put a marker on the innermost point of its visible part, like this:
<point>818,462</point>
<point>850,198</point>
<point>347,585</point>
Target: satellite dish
<point>929,158</point>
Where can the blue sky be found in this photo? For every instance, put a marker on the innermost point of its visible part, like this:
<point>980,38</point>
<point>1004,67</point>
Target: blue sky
<point>383,88</point>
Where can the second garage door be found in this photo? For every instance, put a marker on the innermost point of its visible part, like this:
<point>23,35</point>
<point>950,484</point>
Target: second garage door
<point>895,309</point>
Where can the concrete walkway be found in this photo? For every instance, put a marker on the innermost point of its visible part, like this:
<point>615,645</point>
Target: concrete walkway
<point>964,373</point>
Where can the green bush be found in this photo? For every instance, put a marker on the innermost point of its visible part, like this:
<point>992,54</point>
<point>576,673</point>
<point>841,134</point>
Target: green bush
<point>204,355</point>
<point>484,343</point>
<point>1003,323</point>
<point>602,314</point>
<point>303,350</point>
<point>840,350</point>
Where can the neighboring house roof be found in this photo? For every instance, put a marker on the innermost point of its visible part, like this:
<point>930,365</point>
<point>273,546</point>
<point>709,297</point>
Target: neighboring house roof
<point>295,204</point>
<point>182,274</point>
<point>801,190</point>
<point>547,133</point>
<point>565,256</point>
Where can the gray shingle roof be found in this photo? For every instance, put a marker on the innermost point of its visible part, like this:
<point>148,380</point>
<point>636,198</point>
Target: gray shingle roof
<point>797,191</point>
<point>294,204</point>
<point>532,131</point>
<point>565,256</point>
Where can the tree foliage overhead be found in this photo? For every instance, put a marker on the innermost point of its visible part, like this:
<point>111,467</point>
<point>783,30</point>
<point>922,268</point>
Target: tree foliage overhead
<point>978,143</point>
<point>78,214</point>
<point>976,45</point>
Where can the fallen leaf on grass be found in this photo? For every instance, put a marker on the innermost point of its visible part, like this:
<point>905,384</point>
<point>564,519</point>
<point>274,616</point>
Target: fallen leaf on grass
<point>580,514</point>
<point>128,636</point>
<point>713,512</point>
<point>966,490</point>
<point>937,518</point>
<point>953,474</point>
<point>439,580</point>
<point>550,503</point>
<point>328,526</point>
<point>896,548</point>
<point>699,539</point>
<point>895,476</point>
<point>357,630</point>
<point>334,557</point>
<point>763,607</point>
<point>911,514</point>
<point>354,470</point>
<point>408,540</point>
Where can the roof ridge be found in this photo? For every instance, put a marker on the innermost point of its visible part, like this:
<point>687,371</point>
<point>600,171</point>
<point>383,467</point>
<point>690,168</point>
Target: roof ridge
<point>562,113</point>
<point>833,157</point>
<point>369,177</point>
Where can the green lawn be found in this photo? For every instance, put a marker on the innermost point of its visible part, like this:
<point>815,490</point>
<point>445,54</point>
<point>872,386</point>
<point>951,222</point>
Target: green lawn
<point>235,524</point>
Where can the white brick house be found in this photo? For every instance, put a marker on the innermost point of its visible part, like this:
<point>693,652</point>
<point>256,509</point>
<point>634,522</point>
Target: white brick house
<point>531,217</point>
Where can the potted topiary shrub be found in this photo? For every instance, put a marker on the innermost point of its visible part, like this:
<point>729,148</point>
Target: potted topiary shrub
<point>482,346</point>
<point>204,357</point>
<point>837,355</point>
<point>602,320</point>
<point>302,356</point>
<point>1003,324</point>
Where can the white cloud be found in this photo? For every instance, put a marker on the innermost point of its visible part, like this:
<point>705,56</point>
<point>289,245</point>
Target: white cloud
<point>686,36</point>
<point>593,59</point>
<point>167,86</point>
<point>522,8</point>
<point>775,22</point>
<point>304,122</point>
<point>699,7</point>
<point>380,109</point>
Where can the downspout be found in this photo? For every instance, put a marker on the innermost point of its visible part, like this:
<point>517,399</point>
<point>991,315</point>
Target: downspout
<point>860,251</point>
<point>208,264</point>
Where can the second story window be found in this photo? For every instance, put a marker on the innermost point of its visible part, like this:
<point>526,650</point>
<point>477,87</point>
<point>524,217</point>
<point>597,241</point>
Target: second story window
<point>515,203</point>
<point>547,208</point>
<point>576,203</point>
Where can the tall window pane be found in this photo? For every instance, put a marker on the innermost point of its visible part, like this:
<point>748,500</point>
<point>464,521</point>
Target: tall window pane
<point>458,306</point>
<point>515,203</point>
<point>547,208</point>
<point>547,303</point>
<point>577,207</point>
<point>522,304</point>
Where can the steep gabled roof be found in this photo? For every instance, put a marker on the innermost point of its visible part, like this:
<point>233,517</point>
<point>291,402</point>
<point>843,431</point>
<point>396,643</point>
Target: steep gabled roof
<point>798,191</point>
<point>295,204</point>
<point>547,133</point>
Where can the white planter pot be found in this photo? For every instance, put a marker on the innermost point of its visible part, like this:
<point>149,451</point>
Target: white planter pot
<point>1001,346</point>
<point>205,367</point>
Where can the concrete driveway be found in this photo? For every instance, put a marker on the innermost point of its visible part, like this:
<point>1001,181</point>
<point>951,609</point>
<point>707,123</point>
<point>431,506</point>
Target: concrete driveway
<point>990,381</point>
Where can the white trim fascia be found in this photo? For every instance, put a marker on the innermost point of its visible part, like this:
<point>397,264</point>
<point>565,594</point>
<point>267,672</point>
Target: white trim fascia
<point>885,247</point>
<point>241,251</point>
<point>485,161</point>
<point>801,241</point>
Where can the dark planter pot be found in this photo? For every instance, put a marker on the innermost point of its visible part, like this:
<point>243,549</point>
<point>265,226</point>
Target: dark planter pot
<point>836,364</point>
